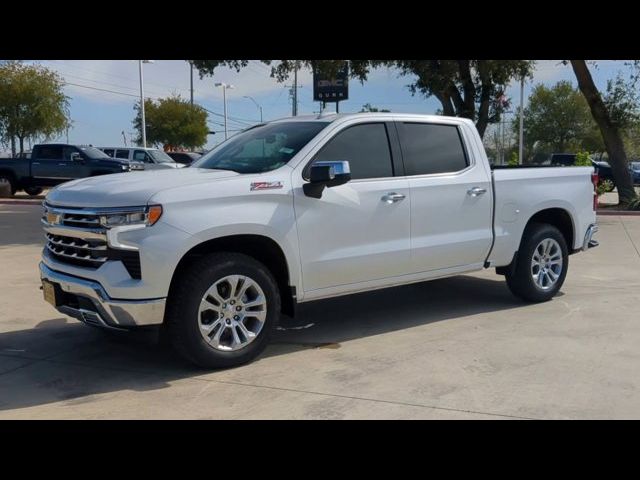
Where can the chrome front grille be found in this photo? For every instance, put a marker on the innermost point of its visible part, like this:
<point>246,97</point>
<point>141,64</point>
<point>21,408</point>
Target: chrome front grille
<point>77,237</point>
<point>83,252</point>
<point>80,220</point>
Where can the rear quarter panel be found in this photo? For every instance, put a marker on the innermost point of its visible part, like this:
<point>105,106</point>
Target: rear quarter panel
<point>520,193</point>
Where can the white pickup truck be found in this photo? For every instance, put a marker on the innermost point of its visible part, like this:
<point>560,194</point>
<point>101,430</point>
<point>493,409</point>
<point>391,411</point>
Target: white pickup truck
<point>301,209</point>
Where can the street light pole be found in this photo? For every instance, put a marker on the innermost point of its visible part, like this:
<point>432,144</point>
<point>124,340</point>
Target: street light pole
<point>521,136</point>
<point>224,99</point>
<point>257,105</point>
<point>144,124</point>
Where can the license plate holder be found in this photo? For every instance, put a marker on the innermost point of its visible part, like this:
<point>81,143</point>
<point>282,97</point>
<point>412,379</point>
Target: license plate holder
<point>50,292</point>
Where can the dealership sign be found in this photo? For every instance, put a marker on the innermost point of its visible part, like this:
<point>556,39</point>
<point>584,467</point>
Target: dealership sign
<point>331,89</point>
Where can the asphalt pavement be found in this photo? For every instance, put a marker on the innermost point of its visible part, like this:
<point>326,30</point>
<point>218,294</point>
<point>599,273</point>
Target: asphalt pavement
<point>457,348</point>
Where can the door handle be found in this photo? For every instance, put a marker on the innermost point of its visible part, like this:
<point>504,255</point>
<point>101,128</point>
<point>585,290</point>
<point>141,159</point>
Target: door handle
<point>63,164</point>
<point>476,191</point>
<point>392,197</point>
<point>35,163</point>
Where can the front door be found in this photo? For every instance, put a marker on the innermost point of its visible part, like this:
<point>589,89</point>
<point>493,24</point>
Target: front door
<point>359,231</point>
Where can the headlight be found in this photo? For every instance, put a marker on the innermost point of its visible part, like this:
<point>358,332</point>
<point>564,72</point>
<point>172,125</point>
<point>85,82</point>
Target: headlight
<point>125,167</point>
<point>146,216</point>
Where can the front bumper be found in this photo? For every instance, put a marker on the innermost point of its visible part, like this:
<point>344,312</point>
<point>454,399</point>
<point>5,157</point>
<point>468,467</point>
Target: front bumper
<point>589,242</point>
<point>88,302</point>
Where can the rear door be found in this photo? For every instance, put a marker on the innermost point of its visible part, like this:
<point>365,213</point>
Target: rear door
<point>48,166</point>
<point>451,197</point>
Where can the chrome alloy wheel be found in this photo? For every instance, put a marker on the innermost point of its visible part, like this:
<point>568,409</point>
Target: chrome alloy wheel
<point>232,313</point>
<point>546,264</point>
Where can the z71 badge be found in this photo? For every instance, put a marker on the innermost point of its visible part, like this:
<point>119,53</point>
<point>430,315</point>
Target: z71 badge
<point>265,185</point>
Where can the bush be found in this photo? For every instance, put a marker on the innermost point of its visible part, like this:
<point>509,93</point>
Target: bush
<point>513,161</point>
<point>634,204</point>
<point>583,159</point>
<point>604,186</point>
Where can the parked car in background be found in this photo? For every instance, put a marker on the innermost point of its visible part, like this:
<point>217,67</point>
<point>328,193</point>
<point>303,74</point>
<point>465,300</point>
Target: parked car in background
<point>302,209</point>
<point>186,158</point>
<point>602,168</point>
<point>634,166</point>
<point>53,163</point>
<point>151,158</point>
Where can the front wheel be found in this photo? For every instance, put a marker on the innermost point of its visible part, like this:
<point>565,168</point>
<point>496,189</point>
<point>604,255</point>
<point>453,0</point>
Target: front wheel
<point>223,310</point>
<point>541,265</point>
<point>33,191</point>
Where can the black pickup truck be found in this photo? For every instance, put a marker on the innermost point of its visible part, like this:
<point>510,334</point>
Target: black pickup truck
<point>54,163</point>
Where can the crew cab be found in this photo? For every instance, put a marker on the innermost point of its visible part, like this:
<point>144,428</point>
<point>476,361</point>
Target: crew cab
<point>53,163</point>
<point>301,209</point>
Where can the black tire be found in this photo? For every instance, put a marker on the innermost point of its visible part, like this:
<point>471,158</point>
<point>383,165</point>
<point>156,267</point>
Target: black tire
<point>181,318</point>
<point>33,191</point>
<point>7,179</point>
<point>520,279</point>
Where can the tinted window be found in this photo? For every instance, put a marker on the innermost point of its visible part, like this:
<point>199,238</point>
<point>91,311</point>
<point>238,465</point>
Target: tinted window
<point>429,148</point>
<point>53,152</point>
<point>262,148</point>
<point>141,156</point>
<point>122,154</point>
<point>365,147</point>
<point>108,151</point>
<point>93,152</point>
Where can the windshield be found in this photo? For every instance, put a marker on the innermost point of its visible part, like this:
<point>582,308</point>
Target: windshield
<point>262,148</point>
<point>160,157</point>
<point>93,152</point>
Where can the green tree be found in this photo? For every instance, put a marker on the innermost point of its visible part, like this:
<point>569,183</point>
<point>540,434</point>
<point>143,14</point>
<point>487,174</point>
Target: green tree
<point>466,88</point>
<point>609,122</point>
<point>557,117</point>
<point>367,107</point>
<point>32,104</point>
<point>172,122</point>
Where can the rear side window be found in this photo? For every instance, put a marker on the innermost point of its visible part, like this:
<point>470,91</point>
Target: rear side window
<point>365,147</point>
<point>53,152</point>
<point>108,151</point>
<point>429,148</point>
<point>122,154</point>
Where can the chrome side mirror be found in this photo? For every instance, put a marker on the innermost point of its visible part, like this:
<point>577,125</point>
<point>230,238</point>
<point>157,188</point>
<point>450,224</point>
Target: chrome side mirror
<point>326,175</point>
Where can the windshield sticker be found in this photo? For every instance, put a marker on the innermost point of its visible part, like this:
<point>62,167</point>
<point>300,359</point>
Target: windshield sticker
<point>265,185</point>
<point>286,150</point>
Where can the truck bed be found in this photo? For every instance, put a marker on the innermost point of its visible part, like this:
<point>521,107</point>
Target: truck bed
<point>521,191</point>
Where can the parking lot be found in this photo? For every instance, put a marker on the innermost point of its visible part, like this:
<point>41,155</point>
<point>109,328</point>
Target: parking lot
<point>458,348</point>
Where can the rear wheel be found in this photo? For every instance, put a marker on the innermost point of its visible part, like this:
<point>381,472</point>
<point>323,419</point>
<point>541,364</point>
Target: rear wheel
<point>223,310</point>
<point>7,187</point>
<point>541,265</point>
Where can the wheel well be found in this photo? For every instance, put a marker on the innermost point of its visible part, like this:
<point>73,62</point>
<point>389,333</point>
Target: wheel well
<point>560,219</point>
<point>9,174</point>
<point>263,249</point>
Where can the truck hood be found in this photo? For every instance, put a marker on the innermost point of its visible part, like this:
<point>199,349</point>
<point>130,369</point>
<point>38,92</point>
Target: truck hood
<point>129,189</point>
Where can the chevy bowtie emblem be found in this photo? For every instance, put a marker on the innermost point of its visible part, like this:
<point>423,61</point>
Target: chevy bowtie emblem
<point>265,185</point>
<point>53,218</point>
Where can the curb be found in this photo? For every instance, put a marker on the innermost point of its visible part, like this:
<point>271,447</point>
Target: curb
<point>618,213</point>
<point>20,202</point>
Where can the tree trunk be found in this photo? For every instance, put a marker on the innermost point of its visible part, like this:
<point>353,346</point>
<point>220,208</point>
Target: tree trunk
<point>610,133</point>
<point>485,98</point>
<point>21,145</point>
<point>13,146</point>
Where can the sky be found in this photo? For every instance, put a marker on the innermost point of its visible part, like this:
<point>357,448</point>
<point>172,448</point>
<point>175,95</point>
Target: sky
<point>102,93</point>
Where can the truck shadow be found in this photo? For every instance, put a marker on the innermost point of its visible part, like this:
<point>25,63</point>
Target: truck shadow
<point>63,361</point>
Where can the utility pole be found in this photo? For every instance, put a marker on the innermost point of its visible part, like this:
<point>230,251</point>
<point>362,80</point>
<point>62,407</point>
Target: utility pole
<point>67,135</point>
<point>521,136</point>
<point>294,111</point>
<point>191,83</point>
<point>224,99</point>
